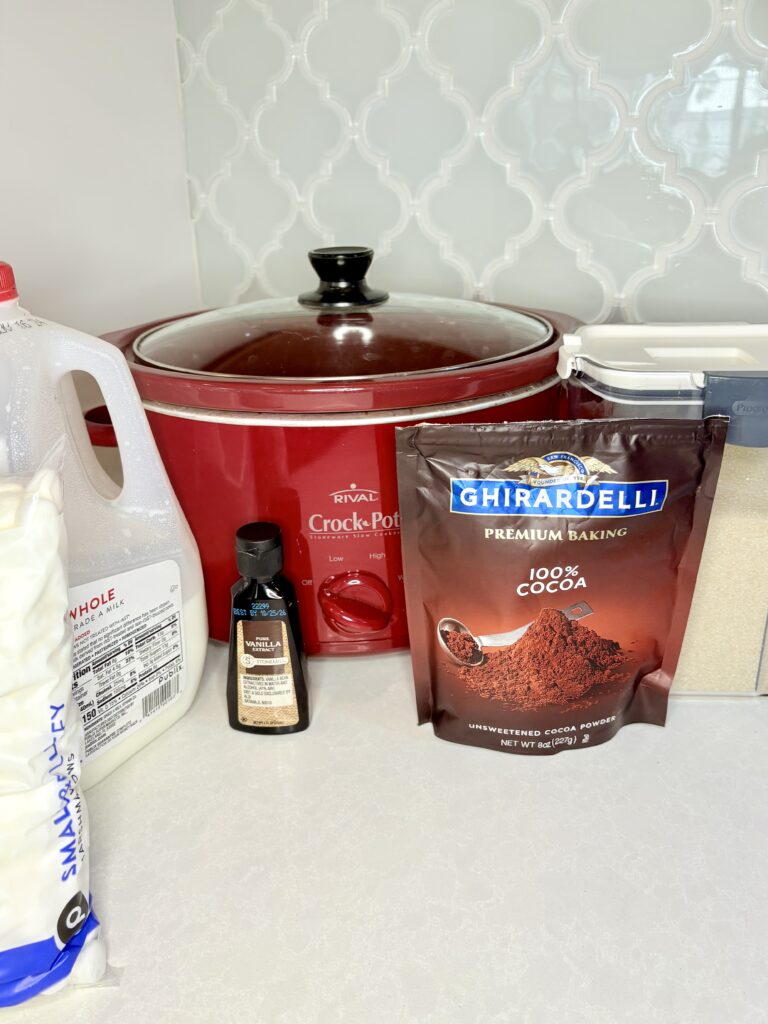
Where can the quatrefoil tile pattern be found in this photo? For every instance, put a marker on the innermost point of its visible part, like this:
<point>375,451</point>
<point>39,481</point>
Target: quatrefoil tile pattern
<point>608,158</point>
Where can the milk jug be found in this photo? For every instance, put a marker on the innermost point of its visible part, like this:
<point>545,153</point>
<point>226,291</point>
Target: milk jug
<point>137,606</point>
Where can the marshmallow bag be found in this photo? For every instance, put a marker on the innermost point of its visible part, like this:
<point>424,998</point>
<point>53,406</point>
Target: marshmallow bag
<point>49,935</point>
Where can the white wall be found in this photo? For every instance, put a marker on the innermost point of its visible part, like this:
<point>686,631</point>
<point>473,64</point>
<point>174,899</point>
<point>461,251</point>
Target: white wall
<point>94,212</point>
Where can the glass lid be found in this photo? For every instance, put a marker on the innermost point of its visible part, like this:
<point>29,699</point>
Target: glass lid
<point>344,329</point>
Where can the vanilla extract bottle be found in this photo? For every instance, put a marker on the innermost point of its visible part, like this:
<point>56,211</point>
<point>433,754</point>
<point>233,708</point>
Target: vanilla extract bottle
<point>266,686</point>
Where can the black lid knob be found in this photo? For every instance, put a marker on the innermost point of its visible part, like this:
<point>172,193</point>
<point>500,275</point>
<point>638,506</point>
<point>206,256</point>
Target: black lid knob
<point>259,548</point>
<point>342,270</point>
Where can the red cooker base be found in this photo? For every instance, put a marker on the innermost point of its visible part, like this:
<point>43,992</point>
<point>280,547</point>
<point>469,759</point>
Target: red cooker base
<point>332,491</point>
<point>359,647</point>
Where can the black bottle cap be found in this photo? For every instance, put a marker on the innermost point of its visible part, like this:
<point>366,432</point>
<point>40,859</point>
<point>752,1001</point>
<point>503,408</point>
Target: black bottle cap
<point>259,549</point>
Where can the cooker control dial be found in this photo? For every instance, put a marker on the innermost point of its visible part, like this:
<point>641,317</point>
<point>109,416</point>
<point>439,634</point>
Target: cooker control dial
<point>355,602</point>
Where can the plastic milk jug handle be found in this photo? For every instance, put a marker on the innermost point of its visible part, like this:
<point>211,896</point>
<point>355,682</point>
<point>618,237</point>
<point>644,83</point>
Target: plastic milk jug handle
<point>143,474</point>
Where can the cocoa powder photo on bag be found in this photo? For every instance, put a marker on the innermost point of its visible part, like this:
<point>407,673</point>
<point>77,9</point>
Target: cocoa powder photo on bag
<point>510,523</point>
<point>556,662</point>
<point>461,645</point>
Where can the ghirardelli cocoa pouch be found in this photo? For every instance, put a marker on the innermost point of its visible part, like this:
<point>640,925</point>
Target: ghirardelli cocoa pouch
<point>549,569</point>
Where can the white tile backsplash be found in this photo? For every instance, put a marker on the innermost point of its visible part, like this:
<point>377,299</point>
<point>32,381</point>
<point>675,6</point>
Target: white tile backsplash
<point>603,157</point>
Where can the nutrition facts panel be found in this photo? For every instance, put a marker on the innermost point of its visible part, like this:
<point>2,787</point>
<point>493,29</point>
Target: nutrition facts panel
<point>128,651</point>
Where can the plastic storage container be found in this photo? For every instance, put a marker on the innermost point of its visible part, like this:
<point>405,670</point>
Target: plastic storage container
<point>137,606</point>
<point>684,372</point>
<point>638,370</point>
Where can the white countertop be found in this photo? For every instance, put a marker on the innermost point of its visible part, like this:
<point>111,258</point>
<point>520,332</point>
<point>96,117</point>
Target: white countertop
<point>364,872</point>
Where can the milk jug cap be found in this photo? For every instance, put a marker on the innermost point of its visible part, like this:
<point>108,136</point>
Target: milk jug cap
<point>7,283</point>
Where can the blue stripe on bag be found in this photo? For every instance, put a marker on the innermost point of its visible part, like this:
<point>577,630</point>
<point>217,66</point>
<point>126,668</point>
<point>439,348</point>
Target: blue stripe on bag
<point>27,970</point>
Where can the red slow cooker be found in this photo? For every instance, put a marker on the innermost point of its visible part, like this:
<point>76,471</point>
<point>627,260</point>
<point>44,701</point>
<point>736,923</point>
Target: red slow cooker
<point>285,410</point>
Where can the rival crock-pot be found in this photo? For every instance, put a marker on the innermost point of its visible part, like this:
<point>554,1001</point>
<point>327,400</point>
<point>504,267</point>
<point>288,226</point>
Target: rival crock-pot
<point>285,410</point>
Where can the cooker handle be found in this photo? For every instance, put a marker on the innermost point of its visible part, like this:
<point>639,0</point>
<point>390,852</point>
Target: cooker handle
<point>342,270</point>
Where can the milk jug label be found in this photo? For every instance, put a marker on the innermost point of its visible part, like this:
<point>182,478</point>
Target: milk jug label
<point>128,660</point>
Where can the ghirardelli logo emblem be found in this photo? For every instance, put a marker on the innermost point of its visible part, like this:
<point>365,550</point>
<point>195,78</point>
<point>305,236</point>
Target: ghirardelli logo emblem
<point>557,468</point>
<point>354,495</point>
<point>557,484</point>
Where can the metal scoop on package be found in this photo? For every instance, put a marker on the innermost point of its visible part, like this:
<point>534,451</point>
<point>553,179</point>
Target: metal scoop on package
<point>468,650</point>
